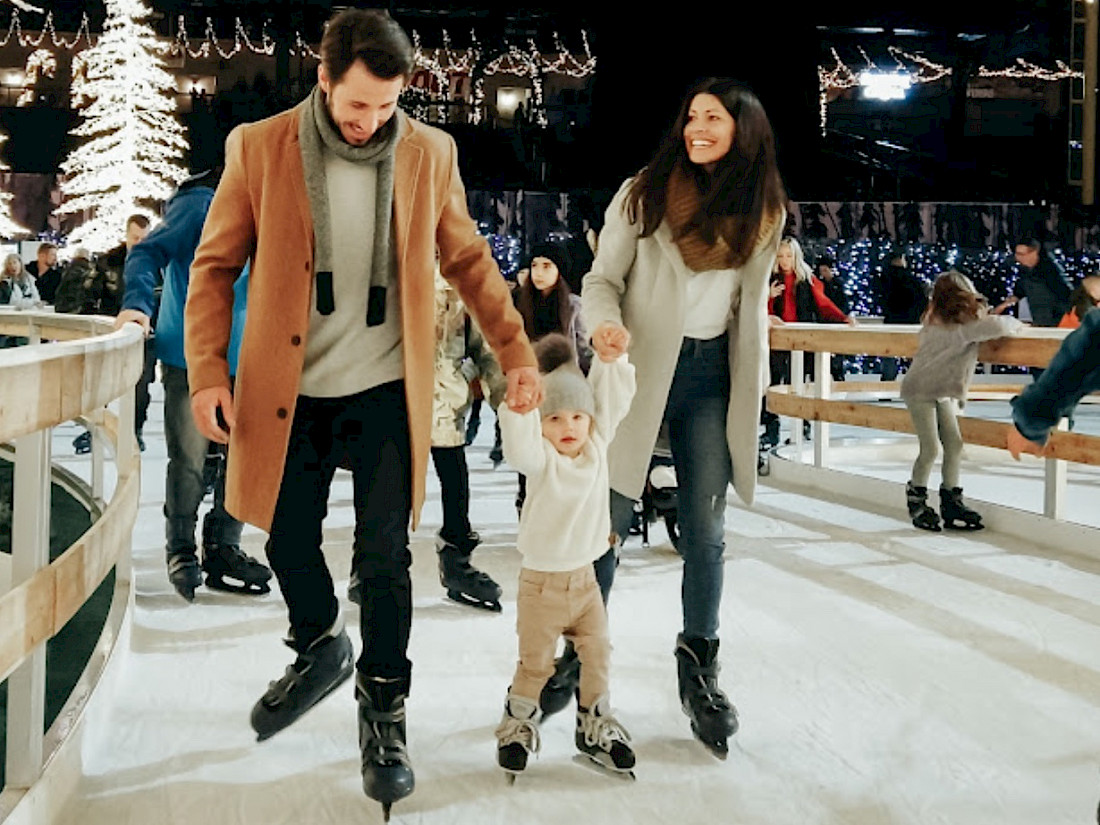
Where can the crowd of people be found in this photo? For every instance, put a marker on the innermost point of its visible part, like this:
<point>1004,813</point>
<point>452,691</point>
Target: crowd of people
<point>322,300</point>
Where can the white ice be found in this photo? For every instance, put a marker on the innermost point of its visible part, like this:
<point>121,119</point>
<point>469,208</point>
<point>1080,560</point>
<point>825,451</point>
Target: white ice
<point>884,676</point>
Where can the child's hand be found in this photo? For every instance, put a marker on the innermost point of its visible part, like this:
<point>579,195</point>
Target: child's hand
<point>1018,444</point>
<point>524,390</point>
<point>610,340</point>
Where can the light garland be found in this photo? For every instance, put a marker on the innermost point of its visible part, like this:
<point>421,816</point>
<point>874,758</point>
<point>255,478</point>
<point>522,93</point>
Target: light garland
<point>8,228</point>
<point>131,160</point>
<point>15,29</point>
<point>923,70</point>
<point>39,62</point>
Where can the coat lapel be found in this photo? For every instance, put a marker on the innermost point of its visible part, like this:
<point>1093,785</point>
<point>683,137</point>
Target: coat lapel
<point>406,173</point>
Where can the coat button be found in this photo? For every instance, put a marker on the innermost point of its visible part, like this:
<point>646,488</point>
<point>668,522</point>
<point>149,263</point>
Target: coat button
<point>307,266</point>
<point>281,412</point>
<point>295,339</point>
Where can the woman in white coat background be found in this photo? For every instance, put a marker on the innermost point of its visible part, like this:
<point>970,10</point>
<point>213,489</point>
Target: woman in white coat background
<point>680,283</point>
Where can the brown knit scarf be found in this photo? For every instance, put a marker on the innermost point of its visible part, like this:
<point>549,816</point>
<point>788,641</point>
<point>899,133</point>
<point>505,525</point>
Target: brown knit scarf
<point>698,255</point>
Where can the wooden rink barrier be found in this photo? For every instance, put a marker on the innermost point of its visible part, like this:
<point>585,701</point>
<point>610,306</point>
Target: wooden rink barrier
<point>838,402</point>
<point>72,368</point>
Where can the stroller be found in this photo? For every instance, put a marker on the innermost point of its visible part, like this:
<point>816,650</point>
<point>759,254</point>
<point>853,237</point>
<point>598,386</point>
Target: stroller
<point>660,496</point>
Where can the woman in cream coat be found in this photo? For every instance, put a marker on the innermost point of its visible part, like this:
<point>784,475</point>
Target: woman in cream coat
<point>680,282</point>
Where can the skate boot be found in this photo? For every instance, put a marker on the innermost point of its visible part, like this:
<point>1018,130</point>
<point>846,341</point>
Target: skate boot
<point>229,568</point>
<point>713,717</point>
<point>922,515</point>
<point>517,734</point>
<point>465,584</point>
<point>602,739</point>
<point>184,571</point>
<point>562,685</point>
<point>82,444</point>
<point>319,670</point>
<point>387,774</point>
<point>953,509</point>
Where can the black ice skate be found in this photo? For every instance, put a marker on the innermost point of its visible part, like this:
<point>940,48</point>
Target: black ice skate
<point>561,687</point>
<point>316,673</point>
<point>387,774</point>
<point>713,717</point>
<point>466,584</point>
<point>184,571</point>
<point>603,740</point>
<point>922,515</point>
<point>517,735</point>
<point>229,568</point>
<point>956,515</point>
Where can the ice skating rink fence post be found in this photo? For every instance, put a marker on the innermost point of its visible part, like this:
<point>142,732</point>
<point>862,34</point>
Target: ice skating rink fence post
<point>858,403</point>
<point>85,371</point>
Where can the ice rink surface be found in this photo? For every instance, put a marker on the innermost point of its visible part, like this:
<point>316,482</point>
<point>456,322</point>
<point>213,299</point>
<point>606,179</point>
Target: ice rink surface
<point>884,676</point>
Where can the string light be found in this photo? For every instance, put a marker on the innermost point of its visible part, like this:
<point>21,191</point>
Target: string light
<point>8,227</point>
<point>39,62</point>
<point>923,70</point>
<point>132,158</point>
<point>15,30</point>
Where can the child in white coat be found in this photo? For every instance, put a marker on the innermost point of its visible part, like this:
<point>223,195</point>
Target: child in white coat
<point>564,527</point>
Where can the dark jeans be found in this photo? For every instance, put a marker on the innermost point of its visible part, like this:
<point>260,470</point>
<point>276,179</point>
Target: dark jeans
<point>371,430</point>
<point>184,487</point>
<point>454,484</point>
<point>141,390</point>
<point>696,417</point>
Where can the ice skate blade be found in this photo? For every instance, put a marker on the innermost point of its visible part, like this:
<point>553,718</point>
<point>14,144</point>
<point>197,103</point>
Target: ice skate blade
<point>461,598</point>
<point>719,749</point>
<point>238,586</point>
<point>964,527</point>
<point>594,764</point>
<point>386,811</point>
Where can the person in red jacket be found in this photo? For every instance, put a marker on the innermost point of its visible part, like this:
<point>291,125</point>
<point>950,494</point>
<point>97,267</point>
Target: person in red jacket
<point>796,295</point>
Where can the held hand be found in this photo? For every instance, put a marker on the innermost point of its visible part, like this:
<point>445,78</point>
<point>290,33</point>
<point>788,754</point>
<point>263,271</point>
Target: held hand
<point>524,390</point>
<point>134,316</point>
<point>610,340</point>
<point>205,406</point>
<point>776,289</point>
<point>1018,444</point>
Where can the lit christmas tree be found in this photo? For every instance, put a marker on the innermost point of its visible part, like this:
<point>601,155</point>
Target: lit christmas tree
<point>8,228</point>
<point>131,160</point>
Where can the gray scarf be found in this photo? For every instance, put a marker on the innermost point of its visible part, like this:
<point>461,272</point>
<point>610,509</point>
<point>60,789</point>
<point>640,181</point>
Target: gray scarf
<point>316,130</point>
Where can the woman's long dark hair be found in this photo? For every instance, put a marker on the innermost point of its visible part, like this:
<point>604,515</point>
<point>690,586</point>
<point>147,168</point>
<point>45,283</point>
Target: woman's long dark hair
<point>744,188</point>
<point>528,297</point>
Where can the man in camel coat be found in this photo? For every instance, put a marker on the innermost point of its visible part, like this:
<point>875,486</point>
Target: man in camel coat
<point>341,205</point>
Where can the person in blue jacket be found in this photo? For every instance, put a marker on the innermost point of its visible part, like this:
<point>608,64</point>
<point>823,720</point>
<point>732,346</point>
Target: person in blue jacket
<point>1073,373</point>
<point>166,253</point>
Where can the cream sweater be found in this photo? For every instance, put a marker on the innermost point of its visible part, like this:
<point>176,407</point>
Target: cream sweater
<point>566,520</point>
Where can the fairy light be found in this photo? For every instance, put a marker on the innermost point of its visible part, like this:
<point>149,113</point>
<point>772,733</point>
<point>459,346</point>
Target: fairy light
<point>39,62</point>
<point>132,157</point>
<point>15,30</point>
<point>922,70</point>
<point>8,227</point>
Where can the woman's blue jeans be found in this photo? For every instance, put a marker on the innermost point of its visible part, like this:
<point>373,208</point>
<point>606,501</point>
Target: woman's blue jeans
<point>696,415</point>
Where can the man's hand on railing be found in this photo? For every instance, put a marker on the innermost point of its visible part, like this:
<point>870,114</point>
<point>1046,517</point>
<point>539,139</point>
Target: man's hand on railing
<point>1018,444</point>
<point>134,316</point>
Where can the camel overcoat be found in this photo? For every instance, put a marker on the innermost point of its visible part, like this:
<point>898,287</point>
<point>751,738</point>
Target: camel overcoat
<point>261,212</point>
<point>641,283</point>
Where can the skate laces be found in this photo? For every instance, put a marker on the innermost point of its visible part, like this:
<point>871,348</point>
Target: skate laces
<point>385,744</point>
<point>523,731</point>
<point>278,692</point>
<point>601,731</point>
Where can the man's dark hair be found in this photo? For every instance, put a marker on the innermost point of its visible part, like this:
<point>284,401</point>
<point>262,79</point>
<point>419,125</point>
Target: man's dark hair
<point>369,35</point>
<point>825,259</point>
<point>46,246</point>
<point>1030,241</point>
<point>138,219</point>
